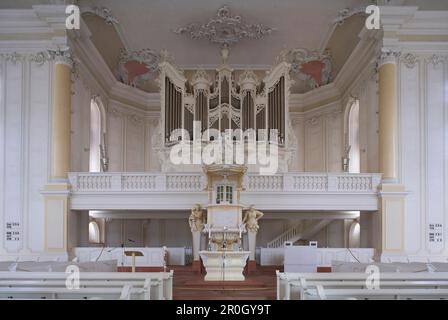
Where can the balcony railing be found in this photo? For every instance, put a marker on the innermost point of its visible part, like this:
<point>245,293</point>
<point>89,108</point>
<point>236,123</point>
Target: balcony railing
<point>196,182</point>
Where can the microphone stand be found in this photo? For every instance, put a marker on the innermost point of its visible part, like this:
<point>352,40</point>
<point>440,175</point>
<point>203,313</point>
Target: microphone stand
<point>123,257</point>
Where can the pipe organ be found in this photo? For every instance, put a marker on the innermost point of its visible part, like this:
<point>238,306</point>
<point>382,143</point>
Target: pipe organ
<point>225,101</point>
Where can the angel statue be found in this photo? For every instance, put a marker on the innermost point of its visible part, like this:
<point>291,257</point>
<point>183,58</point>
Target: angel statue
<point>197,218</point>
<point>251,219</point>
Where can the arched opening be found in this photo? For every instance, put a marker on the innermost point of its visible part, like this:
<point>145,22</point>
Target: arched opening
<point>95,137</point>
<point>354,236</point>
<point>94,232</point>
<point>353,138</point>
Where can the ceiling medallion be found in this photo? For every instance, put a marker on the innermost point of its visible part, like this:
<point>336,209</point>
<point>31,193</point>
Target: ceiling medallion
<point>225,29</point>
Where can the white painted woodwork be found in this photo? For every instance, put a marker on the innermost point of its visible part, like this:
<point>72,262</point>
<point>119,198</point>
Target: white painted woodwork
<point>93,285</point>
<point>342,286</point>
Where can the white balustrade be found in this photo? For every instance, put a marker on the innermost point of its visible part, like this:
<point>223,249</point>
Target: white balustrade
<point>91,182</point>
<point>190,182</point>
<point>138,182</point>
<point>195,182</point>
<point>310,182</point>
<point>135,182</point>
<point>265,183</point>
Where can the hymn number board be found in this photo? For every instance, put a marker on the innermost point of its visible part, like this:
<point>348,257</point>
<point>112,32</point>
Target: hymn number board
<point>435,233</point>
<point>12,231</point>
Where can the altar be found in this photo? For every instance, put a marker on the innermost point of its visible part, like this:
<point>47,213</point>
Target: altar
<point>224,265</point>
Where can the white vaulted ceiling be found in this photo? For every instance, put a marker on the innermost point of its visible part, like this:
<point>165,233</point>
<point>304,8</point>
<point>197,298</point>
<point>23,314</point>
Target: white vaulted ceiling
<point>298,23</point>
<point>150,24</point>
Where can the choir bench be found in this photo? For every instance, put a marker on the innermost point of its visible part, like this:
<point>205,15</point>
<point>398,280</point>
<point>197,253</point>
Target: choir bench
<point>322,286</point>
<point>92,285</point>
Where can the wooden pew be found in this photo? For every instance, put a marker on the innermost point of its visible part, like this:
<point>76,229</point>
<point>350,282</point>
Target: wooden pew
<point>146,285</point>
<point>316,285</point>
<point>127,292</point>
<point>319,293</point>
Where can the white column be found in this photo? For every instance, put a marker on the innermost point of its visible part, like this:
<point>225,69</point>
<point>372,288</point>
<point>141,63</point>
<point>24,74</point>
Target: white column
<point>392,194</point>
<point>56,194</point>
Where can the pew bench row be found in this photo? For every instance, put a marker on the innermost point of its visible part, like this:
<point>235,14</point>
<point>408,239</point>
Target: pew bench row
<point>384,286</point>
<point>89,285</point>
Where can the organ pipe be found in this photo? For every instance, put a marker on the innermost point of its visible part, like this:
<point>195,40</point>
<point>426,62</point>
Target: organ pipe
<point>233,107</point>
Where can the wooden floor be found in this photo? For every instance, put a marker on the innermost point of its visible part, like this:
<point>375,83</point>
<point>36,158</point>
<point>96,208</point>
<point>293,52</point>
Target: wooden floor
<point>259,285</point>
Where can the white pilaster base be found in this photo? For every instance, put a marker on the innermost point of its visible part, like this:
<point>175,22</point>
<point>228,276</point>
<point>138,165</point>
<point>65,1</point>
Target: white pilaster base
<point>56,198</point>
<point>392,210</point>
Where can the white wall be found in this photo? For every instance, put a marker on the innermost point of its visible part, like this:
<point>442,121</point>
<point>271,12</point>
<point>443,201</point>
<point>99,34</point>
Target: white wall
<point>148,232</point>
<point>297,163</point>
<point>25,108</point>
<point>423,152</point>
<point>323,139</point>
<point>369,125</point>
<point>318,139</point>
<point>78,229</point>
<point>332,236</point>
<point>130,140</point>
<point>270,229</point>
<point>80,122</point>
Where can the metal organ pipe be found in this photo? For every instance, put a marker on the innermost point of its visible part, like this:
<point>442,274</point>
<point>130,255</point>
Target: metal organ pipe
<point>179,109</point>
<point>174,106</point>
<point>167,109</point>
<point>282,108</point>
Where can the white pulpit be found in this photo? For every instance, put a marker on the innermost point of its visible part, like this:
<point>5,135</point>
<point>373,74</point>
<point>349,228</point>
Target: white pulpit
<point>224,259</point>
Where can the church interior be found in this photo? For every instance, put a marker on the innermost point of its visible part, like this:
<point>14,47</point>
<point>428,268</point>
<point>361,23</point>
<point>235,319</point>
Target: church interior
<point>225,150</point>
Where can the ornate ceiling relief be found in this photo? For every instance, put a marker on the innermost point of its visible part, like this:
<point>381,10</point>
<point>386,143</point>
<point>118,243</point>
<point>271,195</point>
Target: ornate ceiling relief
<point>38,58</point>
<point>106,14</point>
<point>347,13</point>
<point>102,12</point>
<point>225,29</point>
<point>135,67</point>
<point>409,60</point>
<point>310,66</point>
<point>64,56</point>
<point>313,121</point>
<point>386,56</point>
<point>435,60</point>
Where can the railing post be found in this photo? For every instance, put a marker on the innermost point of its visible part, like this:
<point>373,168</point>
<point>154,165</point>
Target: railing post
<point>161,182</point>
<point>169,286</point>
<point>288,182</point>
<point>116,182</point>
<point>376,180</point>
<point>332,182</point>
<point>73,179</point>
